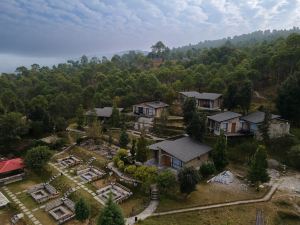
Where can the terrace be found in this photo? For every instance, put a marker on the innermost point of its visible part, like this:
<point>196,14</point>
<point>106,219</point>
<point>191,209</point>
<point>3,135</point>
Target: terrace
<point>69,161</point>
<point>90,174</point>
<point>61,210</point>
<point>42,192</point>
<point>118,192</point>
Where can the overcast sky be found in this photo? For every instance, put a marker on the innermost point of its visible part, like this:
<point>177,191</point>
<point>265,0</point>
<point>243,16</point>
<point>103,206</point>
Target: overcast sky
<point>51,31</point>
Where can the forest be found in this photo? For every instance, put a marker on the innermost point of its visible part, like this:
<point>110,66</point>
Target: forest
<point>38,100</point>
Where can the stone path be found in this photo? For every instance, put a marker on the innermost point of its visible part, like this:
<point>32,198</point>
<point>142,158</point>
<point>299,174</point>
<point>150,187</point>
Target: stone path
<point>267,197</point>
<point>22,207</point>
<point>145,214</point>
<point>80,184</point>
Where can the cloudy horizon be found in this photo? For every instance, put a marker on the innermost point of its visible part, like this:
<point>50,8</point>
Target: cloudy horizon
<point>51,31</point>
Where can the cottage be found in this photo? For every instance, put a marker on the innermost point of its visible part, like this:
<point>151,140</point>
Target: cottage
<point>180,152</point>
<point>11,170</point>
<point>278,127</point>
<point>228,122</point>
<point>150,109</point>
<point>102,113</point>
<point>206,101</point>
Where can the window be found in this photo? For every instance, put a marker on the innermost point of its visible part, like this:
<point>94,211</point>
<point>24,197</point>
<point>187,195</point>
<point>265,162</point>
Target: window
<point>177,164</point>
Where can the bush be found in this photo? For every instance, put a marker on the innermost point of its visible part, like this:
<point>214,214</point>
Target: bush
<point>121,165</point>
<point>130,169</point>
<point>166,181</point>
<point>116,159</point>
<point>122,154</point>
<point>294,156</point>
<point>36,158</point>
<point>207,169</point>
<point>188,178</point>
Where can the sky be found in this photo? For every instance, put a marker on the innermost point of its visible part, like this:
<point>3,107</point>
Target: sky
<point>51,31</point>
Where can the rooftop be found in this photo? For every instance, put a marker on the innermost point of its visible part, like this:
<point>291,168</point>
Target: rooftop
<point>204,95</point>
<point>11,165</point>
<point>257,117</point>
<point>102,112</point>
<point>224,116</point>
<point>154,104</point>
<point>184,149</point>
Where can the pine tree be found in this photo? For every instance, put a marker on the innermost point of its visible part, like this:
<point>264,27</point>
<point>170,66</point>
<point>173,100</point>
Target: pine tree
<point>219,153</point>
<point>265,126</point>
<point>111,214</point>
<point>197,126</point>
<point>133,148</point>
<point>115,117</point>
<point>124,139</point>
<point>258,166</point>
<point>80,116</point>
<point>82,210</point>
<point>141,150</point>
<point>189,107</point>
<point>188,178</point>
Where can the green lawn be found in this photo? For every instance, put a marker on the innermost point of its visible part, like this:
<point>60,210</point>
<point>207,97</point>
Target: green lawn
<point>235,215</point>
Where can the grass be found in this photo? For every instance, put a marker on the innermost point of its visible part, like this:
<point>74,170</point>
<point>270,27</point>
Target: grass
<point>134,205</point>
<point>206,194</point>
<point>235,215</point>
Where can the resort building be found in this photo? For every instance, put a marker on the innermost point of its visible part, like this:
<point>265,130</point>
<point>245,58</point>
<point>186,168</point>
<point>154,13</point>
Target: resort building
<point>228,122</point>
<point>180,152</point>
<point>150,109</point>
<point>278,126</point>
<point>11,170</point>
<point>205,101</point>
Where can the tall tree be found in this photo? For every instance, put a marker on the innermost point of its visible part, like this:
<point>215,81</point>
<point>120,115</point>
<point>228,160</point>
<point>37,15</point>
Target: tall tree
<point>245,95</point>
<point>82,210</point>
<point>115,117</point>
<point>197,126</point>
<point>189,108</point>
<point>188,178</point>
<point>38,157</point>
<point>265,126</point>
<point>142,150</point>
<point>219,153</point>
<point>288,99</point>
<point>258,166</point>
<point>80,116</point>
<point>111,214</point>
<point>124,139</point>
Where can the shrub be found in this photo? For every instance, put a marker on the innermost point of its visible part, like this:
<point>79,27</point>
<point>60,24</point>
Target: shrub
<point>207,169</point>
<point>121,165</point>
<point>116,159</point>
<point>188,178</point>
<point>130,169</point>
<point>166,181</point>
<point>294,156</point>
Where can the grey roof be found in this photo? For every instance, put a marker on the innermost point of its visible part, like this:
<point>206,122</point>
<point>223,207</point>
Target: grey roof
<point>102,112</point>
<point>184,149</point>
<point>204,95</point>
<point>224,116</point>
<point>154,104</point>
<point>257,117</point>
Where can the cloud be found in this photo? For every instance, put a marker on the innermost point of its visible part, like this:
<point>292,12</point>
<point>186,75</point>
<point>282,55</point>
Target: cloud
<point>65,28</point>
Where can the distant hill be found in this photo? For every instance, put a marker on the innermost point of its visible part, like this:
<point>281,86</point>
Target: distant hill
<point>242,40</point>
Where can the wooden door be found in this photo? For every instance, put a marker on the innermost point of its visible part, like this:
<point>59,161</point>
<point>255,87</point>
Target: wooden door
<point>233,127</point>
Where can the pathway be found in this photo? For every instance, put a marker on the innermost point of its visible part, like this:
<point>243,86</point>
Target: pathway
<point>22,207</point>
<point>145,214</point>
<point>80,184</point>
<point>267,197</point>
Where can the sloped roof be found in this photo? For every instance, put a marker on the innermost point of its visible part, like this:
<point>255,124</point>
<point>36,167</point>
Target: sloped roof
<point>184,149</point>
<point>258,117</point>
<point>204,95</point>
<point>102,112</point>
<point>11,165</point>
<point>224,116</point>
<point>154,104</point>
